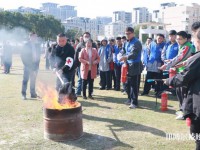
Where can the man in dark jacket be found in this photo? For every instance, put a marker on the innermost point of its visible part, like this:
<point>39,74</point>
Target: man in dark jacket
<point>190,79</point>
<point>30,56</point>
<point>64,60</point>
<point>133,49</point>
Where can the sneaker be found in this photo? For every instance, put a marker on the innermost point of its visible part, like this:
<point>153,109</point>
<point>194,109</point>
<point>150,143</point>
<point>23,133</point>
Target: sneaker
<point>124,93</point>
<point>180,117</point>
<point>101,88</point>
<point>142,94</point>
<point>117,89</point>
<point>128,102</point>
<point>178,112</point>
<point>78,95</point>
<point>132,106</point>
<point>90,97</point>
<point>23,97</point>
<point>34,96</point>
<point>84,97</point>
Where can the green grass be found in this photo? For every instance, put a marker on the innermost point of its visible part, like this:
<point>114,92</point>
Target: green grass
<point>107,122</point>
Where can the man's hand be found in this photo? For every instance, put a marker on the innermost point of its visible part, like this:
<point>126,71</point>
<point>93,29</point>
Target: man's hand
<point>95,62</point>
<point>123,58</point>
<point>163,67</point>
<point>165,80</point>
<point>54,70</point>
<point>60,71</point>
<point>166,61</point>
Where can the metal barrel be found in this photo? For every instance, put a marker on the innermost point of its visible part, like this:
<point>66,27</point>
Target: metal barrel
<point>63,125</point>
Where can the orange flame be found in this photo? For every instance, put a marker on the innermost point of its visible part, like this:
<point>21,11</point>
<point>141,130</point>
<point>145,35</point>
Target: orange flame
<point>50,99</point>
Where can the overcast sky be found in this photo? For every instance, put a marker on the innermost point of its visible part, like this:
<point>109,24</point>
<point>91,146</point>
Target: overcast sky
<point>93,8</point>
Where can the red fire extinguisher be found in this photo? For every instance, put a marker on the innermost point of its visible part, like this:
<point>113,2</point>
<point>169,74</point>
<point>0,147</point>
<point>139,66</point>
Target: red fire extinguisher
<point>164,98</point>
<point>124,71</point>
<point>111,65</point>
<point>188,122</point>
<point>172,72</point>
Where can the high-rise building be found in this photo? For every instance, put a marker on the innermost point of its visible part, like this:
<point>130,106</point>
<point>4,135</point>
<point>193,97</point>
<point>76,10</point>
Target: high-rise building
<point>25,10</point>
<point>104,20</point>
<point>166,5</point>
<point>122,16</point>
<point>115,29</point>
<point>181,17</point>
<point>156,16</point>
<point>141,15</point>
<point>81,24</point>
<point>50,9</point>
<point>59,12</point>
<point>67,11</point>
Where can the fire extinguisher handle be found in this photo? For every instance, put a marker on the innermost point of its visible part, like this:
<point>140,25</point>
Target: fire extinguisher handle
<point>150,80</point>
<point>165,73</point>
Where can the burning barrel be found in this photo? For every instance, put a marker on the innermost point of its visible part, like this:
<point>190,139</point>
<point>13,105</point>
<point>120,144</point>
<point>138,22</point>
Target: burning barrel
<point>63,125</point>
<point>62,114</point>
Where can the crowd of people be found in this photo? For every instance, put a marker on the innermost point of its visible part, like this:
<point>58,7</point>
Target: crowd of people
<point>87,59</point>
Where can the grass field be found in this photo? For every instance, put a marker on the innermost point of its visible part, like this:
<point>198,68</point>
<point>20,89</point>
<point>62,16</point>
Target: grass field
<point>107,122</point>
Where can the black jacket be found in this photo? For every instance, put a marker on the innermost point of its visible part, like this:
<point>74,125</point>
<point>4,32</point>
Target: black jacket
<point>189,78</point>
<point>136,67</point>
<point>61,53</point>
<point>30,59</point>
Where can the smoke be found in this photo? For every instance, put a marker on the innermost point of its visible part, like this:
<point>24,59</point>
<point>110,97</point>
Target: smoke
<point>13,35</point>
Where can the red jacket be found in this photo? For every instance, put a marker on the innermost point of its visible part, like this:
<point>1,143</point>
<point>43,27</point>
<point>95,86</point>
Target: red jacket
<point>84,59</point>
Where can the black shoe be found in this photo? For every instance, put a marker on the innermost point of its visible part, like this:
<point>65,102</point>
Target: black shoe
<point>84,97</point>
<point>128,102</point>
<point>142,94</point>
<point>108,88</point>
<point>23,97</point>
<point>34,96</point>
<point>90,97</point>
<point>101,88</point>
<point>117,89</point>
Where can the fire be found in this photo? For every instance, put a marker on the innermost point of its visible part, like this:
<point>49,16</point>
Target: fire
<point>50,98</point>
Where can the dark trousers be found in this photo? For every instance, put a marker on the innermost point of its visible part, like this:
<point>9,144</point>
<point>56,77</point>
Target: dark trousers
<point>90,82</point>
<point>7,66</point>
<point>117,69</point>
<point>180,95</point>
<point>195,130</point>
<point>112,78</point>
<point>147,85</point>
<point>105,79</point>
<point>32,74</point>
<point>79,81</point>
<point>47,64</point>
<point>132,88</point>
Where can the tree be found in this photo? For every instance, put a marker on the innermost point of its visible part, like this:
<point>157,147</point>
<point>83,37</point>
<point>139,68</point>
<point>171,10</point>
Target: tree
<point>73,33</point>
<point>46,27</point>
<point>136,31</point>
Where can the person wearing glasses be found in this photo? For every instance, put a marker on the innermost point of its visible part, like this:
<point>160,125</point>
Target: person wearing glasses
<point>185,51</point>
<point>190,78</point>
<point>133,49</point>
